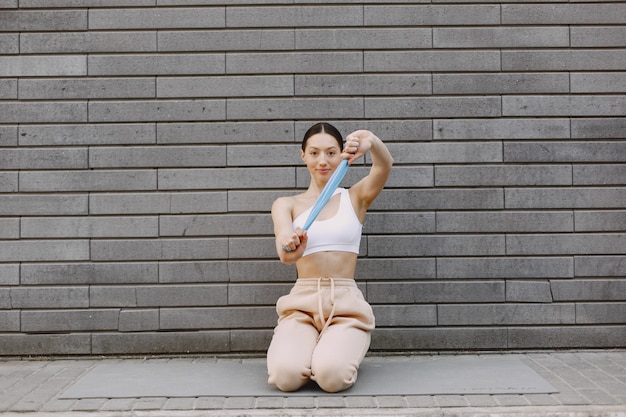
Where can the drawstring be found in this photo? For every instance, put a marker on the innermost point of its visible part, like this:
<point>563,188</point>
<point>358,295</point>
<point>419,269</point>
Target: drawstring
<point>319,304</point>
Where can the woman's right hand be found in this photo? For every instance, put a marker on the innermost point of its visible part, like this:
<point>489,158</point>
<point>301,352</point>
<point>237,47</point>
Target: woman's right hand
<point>292,247</point>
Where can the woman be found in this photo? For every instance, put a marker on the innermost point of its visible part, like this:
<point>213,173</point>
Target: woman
<point>324,323</point>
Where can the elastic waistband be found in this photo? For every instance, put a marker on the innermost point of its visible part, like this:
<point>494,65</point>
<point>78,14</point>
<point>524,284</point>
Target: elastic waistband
<point>325,282</point>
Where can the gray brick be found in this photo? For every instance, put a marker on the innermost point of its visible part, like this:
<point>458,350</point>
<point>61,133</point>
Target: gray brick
<point>439,199</point>
<point>41,205</point>
<point>261,271</point>
<point>8,88</point>
<point>503,83</point>
<point>160,203</point>
<point>229,40</point>
<point>557,244</point>
<point>600,221</point>
<point>215,225</point>
<point>294,62</point>
<point>177,295</point>
<point>501,37</point>
<point>93,134</point>
<point>407,176</point>
<point>439,339</point>
<point>503,175</point>
<point>113,296</point>
<point>99,88</point>
<point>362,84</point>
<point>431,15</point>
<point>605,313</point>
<point>218,318</point>
<point>5,298</point>
<point>252,248</point>
<point>405,315</point>
<point>318,108</point>
<point>138,320</point>
<point>9,228</point>
<point>437,152</point>
<point>49,297</point>
<point>42,112</point>
<point>435,292</point>
<point>219,178</point>
<point>9,274</point>
<point>50,158</point>
<point>242,200</point>
<point>563,106</point>
<point>191,272</point>
<point>256,294</point>
<point>596,151</point>
<point>254,155</point>
<point>574,60</point>
<point>600,197</point>
<point>166,64</point>
<point>485,129</point>
<point>92,227</point>
<point>552,337</point>
<point>600,266</point>
<point>37,21</point>
<point>159,342</point>
<point>396,268</point>
<point>529,291</point>
<point>433,107</point>
<point>10,321</point>
<point>9,43</point>
<point>509,267</point>
<point>89,273</point>
<point>8,182</point>
<point>504,222</point>
<point>587,37</point>
<point>42,65</point>
<point>426,61</point>
<point>156,18</point>
<point>571,13</point>
<point>84,3</point>
<point>88,42</point>
<point>163,110</point>
<point>44,250</point>
<point>364,38</point>
<point>509,314</point>
<point>235,86</point>
<point>290,16</point>
<point>605,174</point>
<point>69,320</point>
<point>607,82</point>
<point>424,245</point>
<point>252,341</point>
<point>8,135</point>
<point>45,344</point>
<point>104,180</point>
<point>589,290</point>
<point>598,128</point>
<point>227,132</point>
<point>158,157</point>
<point>163,249</point>
<point>400,222</point>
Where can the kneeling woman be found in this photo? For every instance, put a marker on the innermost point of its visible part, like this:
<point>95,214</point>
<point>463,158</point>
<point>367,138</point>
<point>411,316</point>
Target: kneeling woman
<point>324,323</point>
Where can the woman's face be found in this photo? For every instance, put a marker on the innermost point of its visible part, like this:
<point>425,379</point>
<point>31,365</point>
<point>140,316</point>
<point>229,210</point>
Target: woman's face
<point>321,155</point>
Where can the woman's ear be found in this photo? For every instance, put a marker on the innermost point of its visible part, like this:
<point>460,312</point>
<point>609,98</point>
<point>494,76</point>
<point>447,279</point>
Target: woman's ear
<point>302,155</point>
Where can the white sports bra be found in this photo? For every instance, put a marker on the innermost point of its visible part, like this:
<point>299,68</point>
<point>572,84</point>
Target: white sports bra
<point>342,232</point>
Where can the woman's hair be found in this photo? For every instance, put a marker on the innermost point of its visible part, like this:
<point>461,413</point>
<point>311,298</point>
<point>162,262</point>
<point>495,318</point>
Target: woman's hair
<point>323,128</point>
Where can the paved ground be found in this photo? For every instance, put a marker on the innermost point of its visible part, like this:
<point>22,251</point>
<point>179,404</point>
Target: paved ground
<point>590,383</point>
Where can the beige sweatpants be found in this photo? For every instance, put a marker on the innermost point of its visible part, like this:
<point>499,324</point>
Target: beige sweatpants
<point>323,333</point>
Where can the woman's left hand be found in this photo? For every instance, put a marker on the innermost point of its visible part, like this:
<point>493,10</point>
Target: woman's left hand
<point>357,144</point>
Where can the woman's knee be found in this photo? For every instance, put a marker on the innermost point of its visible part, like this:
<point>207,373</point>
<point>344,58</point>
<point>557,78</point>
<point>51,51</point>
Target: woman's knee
<point>287,377</point>
<point>334,377</point>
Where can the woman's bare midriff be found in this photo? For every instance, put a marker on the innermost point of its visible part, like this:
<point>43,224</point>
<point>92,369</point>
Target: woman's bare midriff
<point>327,265</point>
